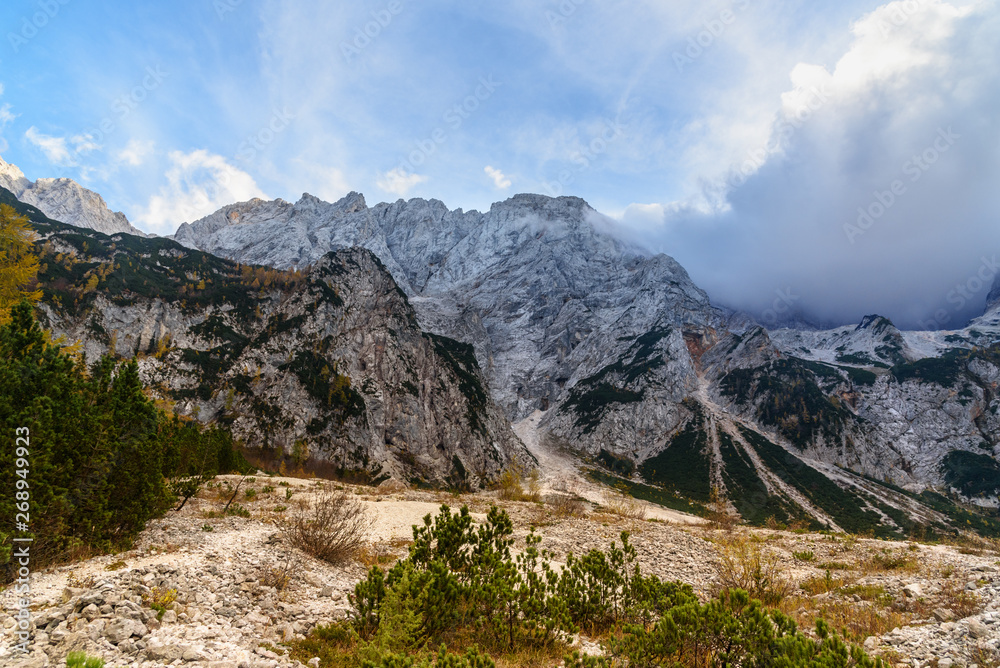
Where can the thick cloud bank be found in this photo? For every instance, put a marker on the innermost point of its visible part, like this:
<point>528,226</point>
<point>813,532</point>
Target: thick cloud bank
<point>879,190</point>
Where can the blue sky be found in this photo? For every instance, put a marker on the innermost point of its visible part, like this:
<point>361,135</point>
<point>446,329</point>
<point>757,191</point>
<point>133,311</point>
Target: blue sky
<point>668,117</point>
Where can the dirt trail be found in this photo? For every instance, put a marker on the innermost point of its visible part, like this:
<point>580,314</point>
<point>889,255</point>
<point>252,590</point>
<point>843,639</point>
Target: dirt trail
<point>561,473</point>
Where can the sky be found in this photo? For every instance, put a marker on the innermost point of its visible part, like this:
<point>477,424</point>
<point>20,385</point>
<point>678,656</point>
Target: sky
<point>824,159</point>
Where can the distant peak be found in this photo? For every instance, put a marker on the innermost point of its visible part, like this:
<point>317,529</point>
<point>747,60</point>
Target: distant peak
<point>352,201</point>
<point>993,299</point>
<point>875,322</point>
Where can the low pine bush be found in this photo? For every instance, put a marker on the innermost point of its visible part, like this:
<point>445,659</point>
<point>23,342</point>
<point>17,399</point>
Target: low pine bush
<point>81,660</point>
<point>461,587</point>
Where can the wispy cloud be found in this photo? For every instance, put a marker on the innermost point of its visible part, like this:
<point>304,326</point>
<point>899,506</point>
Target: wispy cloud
<point>399,182</point>
<point>499,179</point>
<point>136,151</point>
<point>198,183</point>
<point>62,151</point>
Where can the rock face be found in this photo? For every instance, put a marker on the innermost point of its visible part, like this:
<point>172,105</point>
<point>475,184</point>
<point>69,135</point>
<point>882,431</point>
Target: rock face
<point>329,364</point>
<point>993,299</point>
<point>534,283</point>
<point>625,355</point>
<point>67,201</point>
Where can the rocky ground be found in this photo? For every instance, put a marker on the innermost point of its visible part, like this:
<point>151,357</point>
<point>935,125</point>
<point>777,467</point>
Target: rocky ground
<point>241,591</point>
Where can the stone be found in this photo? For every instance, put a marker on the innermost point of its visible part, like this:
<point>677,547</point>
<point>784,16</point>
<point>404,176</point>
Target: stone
<point>913,591</point>
<point>191,654</point>
<point>977,629</point>
<point>943,614</point>
<point>169,617</point>
<point>165,653</point>
<point>122,629</point>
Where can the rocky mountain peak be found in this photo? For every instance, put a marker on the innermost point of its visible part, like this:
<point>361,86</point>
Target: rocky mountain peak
<point>12,178</point>
<point>876,323</point>
<point>993,299</point>
<point>66,200</point>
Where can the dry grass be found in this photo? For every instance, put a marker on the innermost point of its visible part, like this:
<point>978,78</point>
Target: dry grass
<point>565,505</point>
<point>332,529</point>
<point>888,560</point>
<point>391,486</point>
<point>963,603</point>
<point>510,484</point>
<point>744,564</point>
<point>279,575</point>
<point>822,584</point>
<point>856,621</point>
<point>382,553</point>
<point>622,505</point>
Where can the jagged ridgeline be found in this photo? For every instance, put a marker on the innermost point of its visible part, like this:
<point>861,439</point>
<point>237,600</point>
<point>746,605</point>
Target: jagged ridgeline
<point>326,363</point>
<point>783,442</point>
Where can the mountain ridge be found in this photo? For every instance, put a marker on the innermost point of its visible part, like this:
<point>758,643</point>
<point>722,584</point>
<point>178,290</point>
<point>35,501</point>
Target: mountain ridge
<point>66,200</point>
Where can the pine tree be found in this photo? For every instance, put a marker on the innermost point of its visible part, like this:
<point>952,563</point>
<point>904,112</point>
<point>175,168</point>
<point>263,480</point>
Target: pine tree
<point>18,263</point>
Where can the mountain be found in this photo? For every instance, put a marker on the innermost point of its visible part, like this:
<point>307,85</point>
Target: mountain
<point>534,284</point>
<point>535,305</point>
<point>632,366</point>
<point>993,299</point>
<point>327,364</point>
<point>67,201</point>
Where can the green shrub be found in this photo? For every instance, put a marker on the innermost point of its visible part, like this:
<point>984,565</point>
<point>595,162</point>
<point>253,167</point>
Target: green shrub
<point>460,585</point>
<point>81,660</point>
<point>731,630</point>
<point>460,576</point>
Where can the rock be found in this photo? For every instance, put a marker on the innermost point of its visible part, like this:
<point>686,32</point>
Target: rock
<point>945,663</point>
<point>69,593</point>
<point>943,614</point>
<point>977,629</point>
<point>326,592</point>
<point>191,654</point>
<point>93,597</point>
<point>913,591</point>
<point>165,653</point>
<point>122,629</point>
<point>91,612</point>
<point>169,617</point>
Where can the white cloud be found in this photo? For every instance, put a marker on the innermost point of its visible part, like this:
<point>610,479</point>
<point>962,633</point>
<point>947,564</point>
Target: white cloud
<point>135,152</point>
<point>61,150</point>
<point>499,179</point>
<point>398,181</point>
<point>6,116</point>
<point>906,86</point>
<point>54,148</point>
<point>198,183</point>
